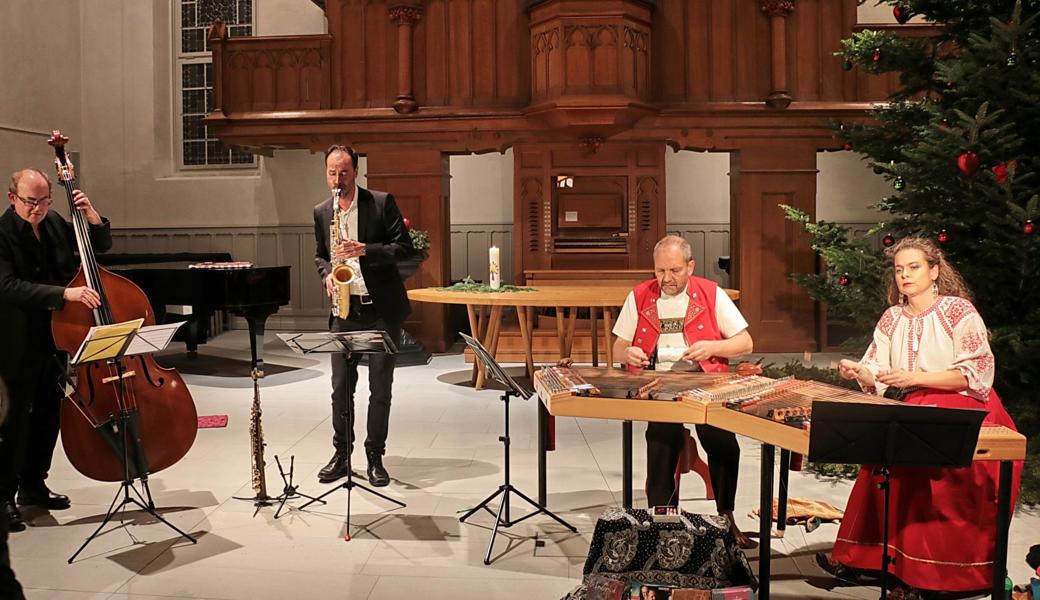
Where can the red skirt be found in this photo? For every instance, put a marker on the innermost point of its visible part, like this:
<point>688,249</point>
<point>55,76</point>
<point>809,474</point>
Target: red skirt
<point>942,522</point>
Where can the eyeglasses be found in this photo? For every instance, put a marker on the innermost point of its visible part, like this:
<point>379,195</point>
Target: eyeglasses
<point>34,202</point>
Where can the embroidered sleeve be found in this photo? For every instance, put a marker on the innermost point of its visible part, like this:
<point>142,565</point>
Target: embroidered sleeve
<point>878,357</point>
<point>973,355</point>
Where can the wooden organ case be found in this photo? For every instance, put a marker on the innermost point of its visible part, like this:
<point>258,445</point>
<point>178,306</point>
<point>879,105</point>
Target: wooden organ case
<point>579,210</point>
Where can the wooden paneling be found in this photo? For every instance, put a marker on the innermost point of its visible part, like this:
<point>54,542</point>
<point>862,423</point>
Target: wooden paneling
<point>290,73</point>
<point>768,247</point>
<point>589,88</point>
<point>419,180</point>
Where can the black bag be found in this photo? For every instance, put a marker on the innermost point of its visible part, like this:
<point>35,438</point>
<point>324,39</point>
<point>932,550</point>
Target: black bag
<point>697,552</point>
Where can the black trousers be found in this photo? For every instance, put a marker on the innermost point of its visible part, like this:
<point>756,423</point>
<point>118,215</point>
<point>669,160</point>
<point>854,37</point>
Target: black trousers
<point>664,442</point>
<point>380,381</point>
<point>28,436</point>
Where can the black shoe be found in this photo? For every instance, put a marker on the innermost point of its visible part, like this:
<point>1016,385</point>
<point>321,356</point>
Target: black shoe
<point>38,495</point>
<point>336,469</point>
<point>14,517</point>
<point>835,568</point>
<point>377,475</point>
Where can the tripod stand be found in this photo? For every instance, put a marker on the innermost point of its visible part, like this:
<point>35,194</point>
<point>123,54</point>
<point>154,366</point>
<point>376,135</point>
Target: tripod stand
<point>111,343</point>
<point>346,342</point>
<point>289,490</point>
<point>513,389</point>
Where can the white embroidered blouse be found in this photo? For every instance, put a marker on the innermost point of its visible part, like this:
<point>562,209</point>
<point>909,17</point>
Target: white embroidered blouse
<point>949,335</point>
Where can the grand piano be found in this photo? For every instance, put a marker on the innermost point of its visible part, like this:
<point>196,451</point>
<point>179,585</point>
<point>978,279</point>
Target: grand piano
<point>254,293</point>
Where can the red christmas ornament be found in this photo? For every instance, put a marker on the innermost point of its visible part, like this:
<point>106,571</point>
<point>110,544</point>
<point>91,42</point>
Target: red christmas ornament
<point>949,85</point>
<point>943,237</point>
<point>844,279</point>
<point>968,163</point>
<point>1028,228</point>
<point>407,222</point>
<point>888,240</point>
<point>848,146</point>
<point>877,55</point>
<point>1000,171</point>
<point>945,124</point>
<point>901,14</point>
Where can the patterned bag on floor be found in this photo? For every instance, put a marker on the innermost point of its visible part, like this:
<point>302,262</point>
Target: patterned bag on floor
<point>697,552</point>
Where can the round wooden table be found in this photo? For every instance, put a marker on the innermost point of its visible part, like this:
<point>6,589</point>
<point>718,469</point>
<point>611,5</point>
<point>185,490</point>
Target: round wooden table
<point>565,299</point>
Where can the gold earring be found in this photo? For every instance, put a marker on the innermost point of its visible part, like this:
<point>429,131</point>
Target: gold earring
<point>935,289</point>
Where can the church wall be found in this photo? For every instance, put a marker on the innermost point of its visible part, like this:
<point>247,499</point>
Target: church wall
<point>40,75</point>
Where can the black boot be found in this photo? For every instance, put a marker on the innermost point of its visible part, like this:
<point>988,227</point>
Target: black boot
<point>336,469</point>
<point>377,475</point>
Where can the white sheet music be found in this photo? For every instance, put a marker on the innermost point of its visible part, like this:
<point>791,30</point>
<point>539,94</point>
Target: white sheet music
<point>153,338</point>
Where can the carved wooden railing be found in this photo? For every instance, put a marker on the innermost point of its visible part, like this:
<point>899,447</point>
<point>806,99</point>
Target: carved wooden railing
<point>284,73</point>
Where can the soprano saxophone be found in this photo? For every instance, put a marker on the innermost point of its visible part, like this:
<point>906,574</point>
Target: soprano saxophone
<point>342,273</point>
<point>256,444</point>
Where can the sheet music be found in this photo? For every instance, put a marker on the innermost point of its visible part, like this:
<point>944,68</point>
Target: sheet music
<point>105,341</point>
<point>360,342</point>
<point>153,338</point>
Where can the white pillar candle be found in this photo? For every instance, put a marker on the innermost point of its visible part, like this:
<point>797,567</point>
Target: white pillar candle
<point>494,268</point>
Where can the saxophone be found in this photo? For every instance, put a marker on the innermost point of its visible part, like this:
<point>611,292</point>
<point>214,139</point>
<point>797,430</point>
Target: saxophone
<point>256,444</point>
<point>342,273</point>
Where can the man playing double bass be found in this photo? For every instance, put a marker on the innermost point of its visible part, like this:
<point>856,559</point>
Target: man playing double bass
<point>37,260</point>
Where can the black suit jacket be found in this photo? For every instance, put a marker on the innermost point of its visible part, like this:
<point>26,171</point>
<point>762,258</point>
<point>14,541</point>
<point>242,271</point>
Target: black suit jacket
<point>21,294</point>
<point>386,240</point>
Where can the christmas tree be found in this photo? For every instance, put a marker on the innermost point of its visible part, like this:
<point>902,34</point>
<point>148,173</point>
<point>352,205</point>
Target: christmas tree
<point>960,143</point>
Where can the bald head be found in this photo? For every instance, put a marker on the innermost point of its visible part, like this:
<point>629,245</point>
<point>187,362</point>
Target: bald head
<point>29,176</point>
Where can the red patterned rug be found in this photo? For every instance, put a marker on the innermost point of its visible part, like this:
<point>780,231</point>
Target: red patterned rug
<point>212,421</point>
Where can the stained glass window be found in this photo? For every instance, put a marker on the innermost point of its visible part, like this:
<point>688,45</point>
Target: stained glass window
<point>199,148</point>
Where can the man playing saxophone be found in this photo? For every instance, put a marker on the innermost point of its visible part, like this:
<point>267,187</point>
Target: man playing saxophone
<point>360,237</point>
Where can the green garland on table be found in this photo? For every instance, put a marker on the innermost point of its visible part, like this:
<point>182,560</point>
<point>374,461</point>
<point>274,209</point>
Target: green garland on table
<point>468,285</point>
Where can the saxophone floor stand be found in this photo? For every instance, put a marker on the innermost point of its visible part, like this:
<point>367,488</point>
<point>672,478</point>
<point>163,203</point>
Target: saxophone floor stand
<point>125,428</point>
<point>290,491</point>
<point>502,518</point>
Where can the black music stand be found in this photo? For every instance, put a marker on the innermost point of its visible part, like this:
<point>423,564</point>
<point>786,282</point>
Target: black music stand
<point>495,371</point>
<point>110,344</point>
<point>344,342</point>
<point>891,435</point>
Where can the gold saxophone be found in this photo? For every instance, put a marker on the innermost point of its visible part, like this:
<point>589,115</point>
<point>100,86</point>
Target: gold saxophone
<point>342,273</point>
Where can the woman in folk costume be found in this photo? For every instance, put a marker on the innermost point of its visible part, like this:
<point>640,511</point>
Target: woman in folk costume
<point>933,344</point>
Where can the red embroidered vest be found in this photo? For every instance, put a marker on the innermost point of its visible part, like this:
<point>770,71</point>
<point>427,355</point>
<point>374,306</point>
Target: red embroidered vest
<point>699,324</point>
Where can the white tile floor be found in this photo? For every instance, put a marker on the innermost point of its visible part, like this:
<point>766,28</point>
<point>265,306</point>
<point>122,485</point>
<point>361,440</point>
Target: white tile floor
<point>444,457</point>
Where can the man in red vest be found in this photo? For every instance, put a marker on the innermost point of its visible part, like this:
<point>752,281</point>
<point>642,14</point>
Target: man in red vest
<point>679,322</point>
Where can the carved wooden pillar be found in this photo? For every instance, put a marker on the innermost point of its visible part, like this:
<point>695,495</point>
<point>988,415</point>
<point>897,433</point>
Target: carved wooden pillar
<point>778,10</point>
<point>406,16</point>
<point>767,248</point>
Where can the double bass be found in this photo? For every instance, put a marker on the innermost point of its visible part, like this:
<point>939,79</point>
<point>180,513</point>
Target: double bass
<point>130,410</point>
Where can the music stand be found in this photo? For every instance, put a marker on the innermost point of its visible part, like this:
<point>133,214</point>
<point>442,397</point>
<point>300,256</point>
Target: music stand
<point>345,342</point>
<point>890,435</point>
<point>111,343</point>
<point>495,371</point>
